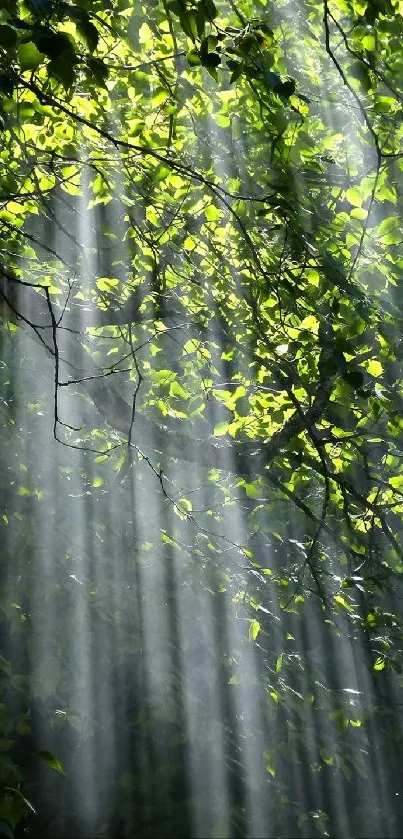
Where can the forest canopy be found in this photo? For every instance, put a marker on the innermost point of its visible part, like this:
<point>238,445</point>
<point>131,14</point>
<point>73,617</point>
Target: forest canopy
<point>202,413</point>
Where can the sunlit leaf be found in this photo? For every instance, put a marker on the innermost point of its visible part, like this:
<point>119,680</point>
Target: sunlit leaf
<point>374,368</point>
<point>29,56</point>
<point>254,630</point>
<point>279,663</point>
<point>221,429</point>
<point>341,601</point>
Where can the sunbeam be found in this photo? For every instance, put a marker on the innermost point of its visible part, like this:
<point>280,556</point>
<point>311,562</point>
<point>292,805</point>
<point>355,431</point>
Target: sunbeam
<point>201,406</point>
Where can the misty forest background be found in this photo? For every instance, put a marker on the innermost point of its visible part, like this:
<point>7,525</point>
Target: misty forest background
<point>201,404</point>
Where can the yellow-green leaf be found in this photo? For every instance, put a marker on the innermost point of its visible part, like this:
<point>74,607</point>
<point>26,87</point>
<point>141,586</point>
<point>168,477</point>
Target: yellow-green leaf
<point>279,663</point>
<point>342,602</point>
<point>106,283</point>
<point>221,429</point>
<point>354,197</point>
<point>375,368</point>
<point>254,630</point>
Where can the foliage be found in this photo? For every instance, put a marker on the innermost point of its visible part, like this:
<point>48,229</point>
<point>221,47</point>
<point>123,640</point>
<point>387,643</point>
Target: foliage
<point>202,259</point>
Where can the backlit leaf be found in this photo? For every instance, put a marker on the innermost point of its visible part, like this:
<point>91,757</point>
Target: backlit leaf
<point>51,760</point>
<point>254,630</point>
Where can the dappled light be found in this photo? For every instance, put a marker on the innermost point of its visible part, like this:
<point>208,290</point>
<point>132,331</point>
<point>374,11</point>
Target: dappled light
<point>201,407</point>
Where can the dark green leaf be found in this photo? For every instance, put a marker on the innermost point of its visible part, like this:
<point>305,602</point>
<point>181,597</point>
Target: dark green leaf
<point>247,44</point>
<point>237,72</point>
<point>209,8</point>
<point>6,84</point>
<point>370,14</point>
<point>272,78</point>
<point>51,760</point>
<point>329,367</point>
<point>8,37</point>
<point>62,68</point>
<point>285,89</point>
<point>208,45</point>
<point>41,7</point>
<point>200,21</point>
<point>354,378</point>
<point>89,32</point>
<point>176,7</point>
<point>212,59</point>
<point>189,25</point>
<point>98,70</point>
<point>53,44</point>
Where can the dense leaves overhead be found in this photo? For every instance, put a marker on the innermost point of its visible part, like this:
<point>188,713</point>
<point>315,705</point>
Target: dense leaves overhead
<point>200,235</point>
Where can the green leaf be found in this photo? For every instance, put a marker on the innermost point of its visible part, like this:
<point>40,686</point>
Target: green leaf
<point>354,378</point>
<point>29,56</point>
<point>221,429</point>
<point>359,212</point>
<point>388,225</point>
<point>52,44</point>
<point>354,197</point>
<point>208,44</point>
<point>189,25</point>
<point>176,6</point>
<point>51,760</point>
<point>374,368</point>
<point>200,21</point>
<point>176,389</point>
<point>63,68</point>
<point>107,283</point>
<point>369,43</point>
<point>186,504</point>
<point>237,71</point>
<point>273,79</point>
<point>89,32</point>
<point>209,9</point>
<point>97,70</point>
<point>212,59</point>
<point>6,84</point>
<point>253,490</point>
<point>194,59</point>
<point>254,630</point>
<point>247,44</point>
<point>268,759</point>
<point>285,89</point>
<point>342,602</point>
<point>396,481</point>
<point>8,36</point>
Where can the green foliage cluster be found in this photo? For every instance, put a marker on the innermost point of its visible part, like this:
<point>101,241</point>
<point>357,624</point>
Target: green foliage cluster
<point>201,245</point>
